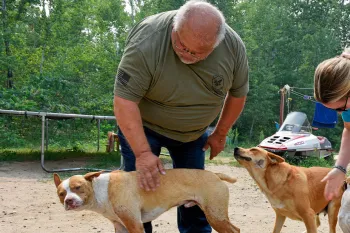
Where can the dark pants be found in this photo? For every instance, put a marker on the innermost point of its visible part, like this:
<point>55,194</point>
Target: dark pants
<point>184,155</point>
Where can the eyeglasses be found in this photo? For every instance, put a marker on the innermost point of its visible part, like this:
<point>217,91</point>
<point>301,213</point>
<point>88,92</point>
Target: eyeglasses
<point>183,48</point>
<point>343,109</point>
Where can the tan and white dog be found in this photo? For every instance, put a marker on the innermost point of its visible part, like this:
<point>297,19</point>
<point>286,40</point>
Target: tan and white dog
<point>117,196</point>
<point>293,192</point>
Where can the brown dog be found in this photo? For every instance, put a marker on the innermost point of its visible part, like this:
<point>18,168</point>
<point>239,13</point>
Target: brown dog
<point>117,196</point>
<point>293,192</point>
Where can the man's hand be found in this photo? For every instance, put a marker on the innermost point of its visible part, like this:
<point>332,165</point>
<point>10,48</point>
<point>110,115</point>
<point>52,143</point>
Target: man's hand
<point>148,167</point>
<point>216,142</point>
<point>335,178</point>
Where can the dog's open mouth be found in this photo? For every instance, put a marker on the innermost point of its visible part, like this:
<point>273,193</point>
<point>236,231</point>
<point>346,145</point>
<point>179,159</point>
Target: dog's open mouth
<point>240,157</point>
<point>72,206</point>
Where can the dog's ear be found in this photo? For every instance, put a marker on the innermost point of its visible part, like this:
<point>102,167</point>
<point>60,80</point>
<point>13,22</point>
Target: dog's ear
<point>57,179</point>
<point>275,158</point>
<point>91,175</point>
<point>260,163</point>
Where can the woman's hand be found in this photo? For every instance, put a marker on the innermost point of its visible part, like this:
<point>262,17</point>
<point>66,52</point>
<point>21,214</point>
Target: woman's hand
<point>335,178</point>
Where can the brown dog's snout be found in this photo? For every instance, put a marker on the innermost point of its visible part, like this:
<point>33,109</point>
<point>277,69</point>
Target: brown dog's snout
<point>238,156</point>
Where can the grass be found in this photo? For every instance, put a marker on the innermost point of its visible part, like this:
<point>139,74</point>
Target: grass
<point>94,159</point>
<point>311,162</point>
<point>105,160</point>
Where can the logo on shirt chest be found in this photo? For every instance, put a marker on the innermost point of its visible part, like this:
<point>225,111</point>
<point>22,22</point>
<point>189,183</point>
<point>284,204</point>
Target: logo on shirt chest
<point>218,84</point>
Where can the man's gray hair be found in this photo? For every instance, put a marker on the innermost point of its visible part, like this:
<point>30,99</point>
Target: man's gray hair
<point>183,11</point>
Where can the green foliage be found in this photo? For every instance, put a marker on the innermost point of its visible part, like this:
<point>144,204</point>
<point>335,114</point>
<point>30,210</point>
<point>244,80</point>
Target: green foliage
<point>35,155</point>
<point>230,137</point>
<point>235,136</point>
<point>64,57</point>
<point>311,161</point>
<point>261,136</point>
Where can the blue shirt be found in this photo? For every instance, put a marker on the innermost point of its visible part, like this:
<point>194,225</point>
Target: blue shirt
<point>346,116</point>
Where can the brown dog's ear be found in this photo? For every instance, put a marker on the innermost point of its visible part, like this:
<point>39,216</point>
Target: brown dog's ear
<point>275,158</point>
<point>57,179</point>
<point>91,175</point>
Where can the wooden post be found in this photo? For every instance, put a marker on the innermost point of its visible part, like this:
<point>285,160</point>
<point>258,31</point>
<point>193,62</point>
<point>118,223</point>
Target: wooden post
<point>282,93</point>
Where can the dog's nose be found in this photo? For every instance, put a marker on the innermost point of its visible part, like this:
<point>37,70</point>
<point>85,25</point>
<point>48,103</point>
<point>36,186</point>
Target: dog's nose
<point>69,201</point>
<point>236,151</point>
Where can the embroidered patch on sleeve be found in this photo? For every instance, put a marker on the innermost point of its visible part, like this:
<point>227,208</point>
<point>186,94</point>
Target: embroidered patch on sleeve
<point>122,77</point>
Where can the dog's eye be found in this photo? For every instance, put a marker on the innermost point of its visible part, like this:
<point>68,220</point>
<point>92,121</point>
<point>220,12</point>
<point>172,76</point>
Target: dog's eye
<point>77,187</point>
<point>61,194</point>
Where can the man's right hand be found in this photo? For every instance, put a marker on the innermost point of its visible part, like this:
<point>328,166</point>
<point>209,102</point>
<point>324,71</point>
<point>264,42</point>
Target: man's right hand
<point>148,167</point>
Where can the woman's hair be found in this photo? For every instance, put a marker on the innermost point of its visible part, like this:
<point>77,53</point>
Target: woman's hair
<point>206,8</point>
<point>332,78</point>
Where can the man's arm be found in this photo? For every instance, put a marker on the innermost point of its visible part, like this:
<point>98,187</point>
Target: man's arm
<point>129,120</point>
<point>232,108</point>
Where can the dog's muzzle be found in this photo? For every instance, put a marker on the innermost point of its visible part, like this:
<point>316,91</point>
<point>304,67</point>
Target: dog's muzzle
<point>238,156</point>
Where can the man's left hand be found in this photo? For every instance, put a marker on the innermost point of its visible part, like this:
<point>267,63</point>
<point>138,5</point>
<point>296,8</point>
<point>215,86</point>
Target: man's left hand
<point>216,143</point>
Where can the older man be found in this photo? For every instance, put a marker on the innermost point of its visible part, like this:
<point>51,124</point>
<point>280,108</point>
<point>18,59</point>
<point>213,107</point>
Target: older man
<point>178,71</point>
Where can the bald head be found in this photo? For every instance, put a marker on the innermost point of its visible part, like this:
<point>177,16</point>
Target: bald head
<point>202,20</point>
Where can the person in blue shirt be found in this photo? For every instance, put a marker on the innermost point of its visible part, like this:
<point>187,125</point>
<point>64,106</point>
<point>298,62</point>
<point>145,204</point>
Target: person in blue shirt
<point>332,89</point>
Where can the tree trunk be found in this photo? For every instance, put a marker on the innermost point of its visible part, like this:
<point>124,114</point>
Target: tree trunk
<point>133,11</point>
<point>251,129</point>
<point>9,81</point>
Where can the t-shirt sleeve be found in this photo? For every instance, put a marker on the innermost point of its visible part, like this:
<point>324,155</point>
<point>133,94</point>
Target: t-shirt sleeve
<point>240,84</point>
<point>346,116</point>
<point>133,77</point>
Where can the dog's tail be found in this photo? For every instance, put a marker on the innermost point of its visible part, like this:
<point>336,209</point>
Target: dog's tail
<point>226,178</point>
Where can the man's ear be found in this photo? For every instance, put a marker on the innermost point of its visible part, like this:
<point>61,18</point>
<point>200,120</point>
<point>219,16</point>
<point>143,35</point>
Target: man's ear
<point>91,175</point>
<point>57,179</point>
<point>275,158</point>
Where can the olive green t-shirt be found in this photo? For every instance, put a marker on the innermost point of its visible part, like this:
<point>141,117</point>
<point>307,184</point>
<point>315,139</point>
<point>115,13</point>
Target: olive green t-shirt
<point>177,100</point>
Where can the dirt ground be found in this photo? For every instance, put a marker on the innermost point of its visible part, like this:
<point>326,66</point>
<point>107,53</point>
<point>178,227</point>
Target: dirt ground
<point>28,204</point>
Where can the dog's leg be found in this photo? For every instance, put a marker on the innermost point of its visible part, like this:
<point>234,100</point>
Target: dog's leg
<point>119,228</point>
<point>280,219</point>
<point>222,226</point>
<point>309,219</point>
<point>333,210</point>
<point>217,214</point>
<point>131,219</point>
<point>318,222</point>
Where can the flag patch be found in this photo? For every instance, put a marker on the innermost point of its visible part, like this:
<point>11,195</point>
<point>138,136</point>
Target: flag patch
<point>122,77</point>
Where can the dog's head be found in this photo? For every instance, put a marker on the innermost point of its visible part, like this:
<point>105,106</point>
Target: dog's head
<point>256,158</point>
<point>75,192</point>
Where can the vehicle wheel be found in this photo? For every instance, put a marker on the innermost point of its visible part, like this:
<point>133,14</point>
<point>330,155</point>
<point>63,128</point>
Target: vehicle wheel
<point>329,158</point>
